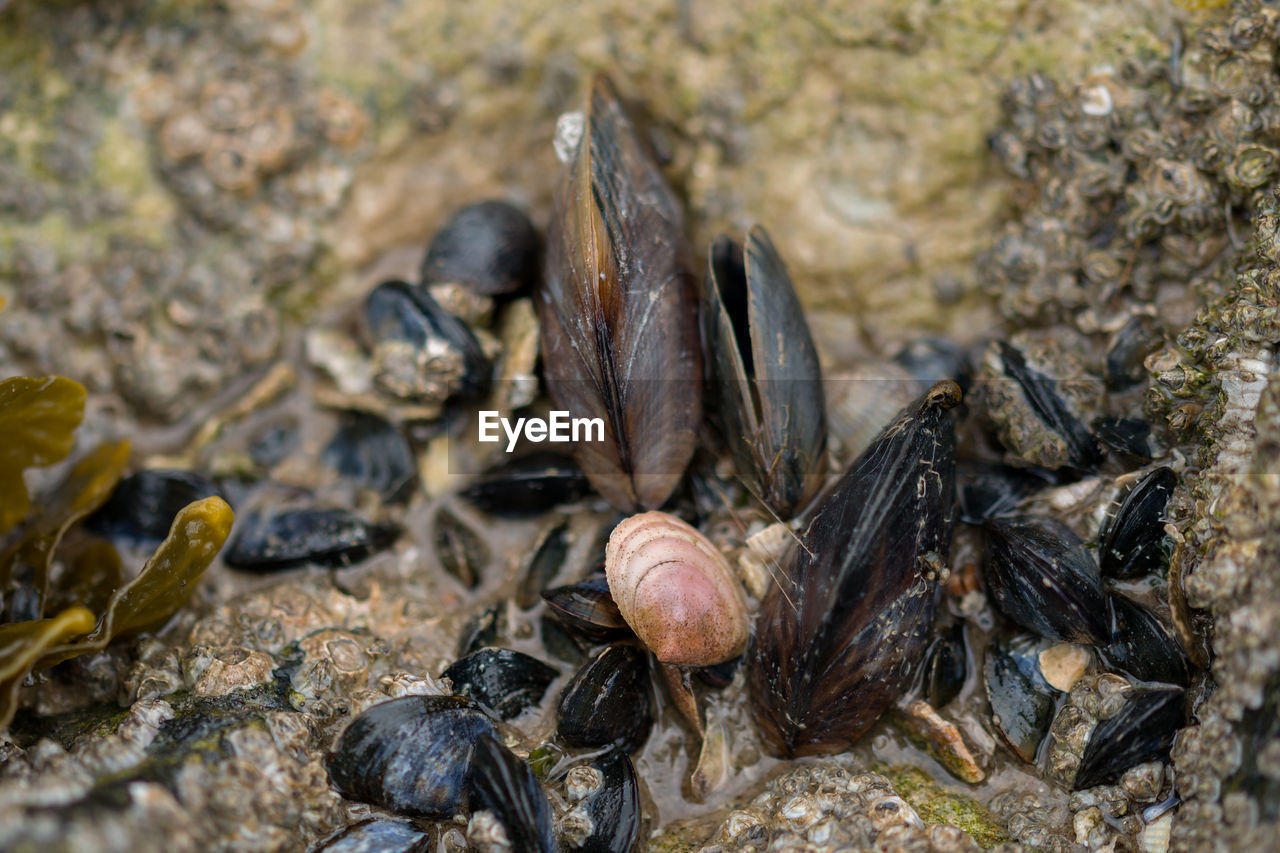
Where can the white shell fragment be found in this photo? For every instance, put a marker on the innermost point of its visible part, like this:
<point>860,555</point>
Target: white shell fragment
<point>676,591</point>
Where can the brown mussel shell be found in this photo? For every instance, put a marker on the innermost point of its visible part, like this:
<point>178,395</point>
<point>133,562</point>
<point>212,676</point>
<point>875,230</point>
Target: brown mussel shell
<point>618,312</point>
<point>835,642</point>
<point>765,376</point>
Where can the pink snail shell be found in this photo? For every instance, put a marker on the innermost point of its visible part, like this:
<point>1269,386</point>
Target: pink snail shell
<point>676,590</point>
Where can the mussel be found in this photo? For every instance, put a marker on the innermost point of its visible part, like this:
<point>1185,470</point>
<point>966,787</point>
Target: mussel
<point>766,382</point>
<point>1143,646</point>
<point>267,541</point>
<point>605,817</point>
<point>836,640</point>
<point>372,453</point>
<point>588,608</point>
<point>1133,542</point>
<point>505,787</point>
<point>527,485</point>
<point>1142,731</point>
<point>379,836</point>
<point>607,702</point>
<point>618,312</point>
<point>1022,701</point>
<point>411,755</point>
<point>143,505</point>
<point>490,247</point>
<point>421,351</point>
<point>504,681</point>
<point>1041,576</point>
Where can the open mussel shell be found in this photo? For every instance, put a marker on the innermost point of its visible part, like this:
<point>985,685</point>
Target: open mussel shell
<point>588,608</point>
<point>143,505</point>
<point>1042,577</point>
<point>765,374</point>
<point>435,354</point>
<point>1022,701</point>
<point>379,836</point>
<point>618,311</point>
<point>371,453</point>
<point>608,701</point>
<point>605,817</point>
<point>1143,646</point>
<point>1142,731</point>
<point>267,541</point>
<point>491,247</point>
<point>837,638</point>
<point>527,485</point>
<point>1133,542</point>
<point>503,681</point>
<point>411,755</point>
<point>504,786</point>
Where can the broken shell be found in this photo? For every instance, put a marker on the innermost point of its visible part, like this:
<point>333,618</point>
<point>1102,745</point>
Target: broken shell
<point>676,591</point>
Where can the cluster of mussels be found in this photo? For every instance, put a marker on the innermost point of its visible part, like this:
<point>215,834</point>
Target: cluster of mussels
<point>862,609</point>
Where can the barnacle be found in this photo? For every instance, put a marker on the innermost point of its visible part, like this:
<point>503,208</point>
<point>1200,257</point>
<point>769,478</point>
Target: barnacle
<point>39,416</point>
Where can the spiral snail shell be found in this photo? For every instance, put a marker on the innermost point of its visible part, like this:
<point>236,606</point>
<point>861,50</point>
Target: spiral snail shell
<point>676,591</point>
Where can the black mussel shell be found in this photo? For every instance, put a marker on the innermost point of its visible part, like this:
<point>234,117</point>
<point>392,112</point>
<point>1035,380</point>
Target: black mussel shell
<point>1128,439</point>
<point>1143,646</point>
<point>411,755</point>
<point>945,667</point>
<point>838,637</point>
<point>143,505</point>
<point>1042,577</point>
<point>544,564</point>
<point>612,812</point>
<point>986,490</point>
<point>1142,731</point>
<point>267,541</point>
<point>491,247</point>
<point>618,311</point>
<point>462,552</point>
<point>588,608</point>
<point>1042,395</point>
<point>1133,542</point>
<point>719,675</point>
<point>503,784</point>
<point>486,628</point>
<point>528,485</point>
<point>372,453</point>
<point>1022,701</point>
<point>396,310</point>
<point>764,371</point>
<point>608,701</point>
<point>379,836</point>
<point>503,681</point>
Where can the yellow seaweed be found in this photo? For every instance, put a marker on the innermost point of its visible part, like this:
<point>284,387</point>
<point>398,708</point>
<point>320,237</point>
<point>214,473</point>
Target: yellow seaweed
<point>38,417</point>
<point>86,487</point>
<point>165,583</point>
<point>23,643</point>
